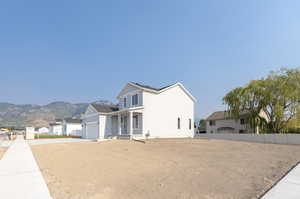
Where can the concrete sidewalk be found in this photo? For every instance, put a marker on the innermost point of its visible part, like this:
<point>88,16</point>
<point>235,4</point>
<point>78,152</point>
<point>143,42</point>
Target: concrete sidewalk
<point>287,188</point>
<point>20,176</point>
<point>56,141</point>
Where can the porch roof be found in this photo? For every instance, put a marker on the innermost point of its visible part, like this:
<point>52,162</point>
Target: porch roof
<point>105,108</point>
<point>134,109</point>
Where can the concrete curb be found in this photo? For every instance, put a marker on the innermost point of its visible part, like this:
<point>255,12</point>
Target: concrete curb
<point>288,187</point>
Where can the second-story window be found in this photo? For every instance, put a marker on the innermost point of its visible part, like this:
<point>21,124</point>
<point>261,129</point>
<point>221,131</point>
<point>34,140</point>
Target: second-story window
<point>134,99</point>
<point>242,121</point>
<point>125,102</point>
<point>212,123</point>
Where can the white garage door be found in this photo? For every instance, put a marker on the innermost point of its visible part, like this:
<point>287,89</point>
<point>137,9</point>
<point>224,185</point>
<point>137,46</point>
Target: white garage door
<point>92,131</point>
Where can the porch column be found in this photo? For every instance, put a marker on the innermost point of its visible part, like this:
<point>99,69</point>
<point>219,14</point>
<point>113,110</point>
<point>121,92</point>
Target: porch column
<point>130,124</point>
<point>119,124</point>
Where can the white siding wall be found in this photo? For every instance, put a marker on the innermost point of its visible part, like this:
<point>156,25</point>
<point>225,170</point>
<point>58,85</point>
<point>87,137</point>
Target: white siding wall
<point>102,126</point>
<point>128,93</point>
<point>93,118</point>
<point>161,112</point>
<point>74,129</point>
<point>56,130</point>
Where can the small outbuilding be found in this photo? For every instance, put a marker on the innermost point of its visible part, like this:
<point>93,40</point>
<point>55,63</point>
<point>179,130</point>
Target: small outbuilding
<point>43,130</point>
<point>29,133</point>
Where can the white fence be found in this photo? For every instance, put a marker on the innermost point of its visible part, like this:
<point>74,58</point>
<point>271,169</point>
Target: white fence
<point>260,138</point>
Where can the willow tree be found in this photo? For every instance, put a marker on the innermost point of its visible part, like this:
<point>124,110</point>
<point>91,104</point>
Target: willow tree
<point>277,97</point>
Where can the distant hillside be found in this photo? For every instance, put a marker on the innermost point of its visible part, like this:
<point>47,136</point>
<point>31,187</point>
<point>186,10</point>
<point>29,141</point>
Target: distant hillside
<point>36,115</point>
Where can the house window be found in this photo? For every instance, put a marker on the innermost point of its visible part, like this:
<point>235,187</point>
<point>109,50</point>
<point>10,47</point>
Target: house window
<point>135,122</point>
<point>134,99</point>
<point>212,123</point>
<point>242,121</point>
<point>125,102</point>
<point>178,123</point>
<point>190,124</point>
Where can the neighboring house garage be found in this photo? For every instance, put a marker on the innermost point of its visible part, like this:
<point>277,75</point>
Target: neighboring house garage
<point>225,130</point>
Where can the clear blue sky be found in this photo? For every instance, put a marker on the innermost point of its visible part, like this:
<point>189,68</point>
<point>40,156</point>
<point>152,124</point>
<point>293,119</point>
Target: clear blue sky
<point>81,51</point>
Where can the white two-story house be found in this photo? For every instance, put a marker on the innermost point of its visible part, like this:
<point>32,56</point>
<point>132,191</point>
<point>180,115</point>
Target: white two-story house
<point>143,111</point>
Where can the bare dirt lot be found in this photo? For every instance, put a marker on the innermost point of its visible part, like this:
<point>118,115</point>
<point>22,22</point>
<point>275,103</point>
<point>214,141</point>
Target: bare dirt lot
<point>2,151</point>
<point>175,168</point>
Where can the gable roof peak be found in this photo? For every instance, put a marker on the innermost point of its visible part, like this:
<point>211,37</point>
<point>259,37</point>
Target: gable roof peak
<point>150,87</point>
<point>222,115</point>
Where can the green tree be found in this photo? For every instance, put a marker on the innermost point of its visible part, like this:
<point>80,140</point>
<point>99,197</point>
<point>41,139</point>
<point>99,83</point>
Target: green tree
<point>202,123</point>
<point>277,96</point>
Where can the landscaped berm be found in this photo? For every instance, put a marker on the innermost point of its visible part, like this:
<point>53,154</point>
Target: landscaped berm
<point>174,168</point>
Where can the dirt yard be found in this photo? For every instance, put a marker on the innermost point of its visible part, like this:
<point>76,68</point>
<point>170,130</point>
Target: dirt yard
<point>176,169</point>
<point>2,151</point>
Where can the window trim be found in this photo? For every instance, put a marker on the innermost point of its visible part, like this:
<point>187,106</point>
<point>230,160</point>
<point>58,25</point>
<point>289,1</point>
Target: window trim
<point>134,100</point>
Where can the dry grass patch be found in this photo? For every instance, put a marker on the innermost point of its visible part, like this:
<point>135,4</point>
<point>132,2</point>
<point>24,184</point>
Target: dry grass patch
<point>177,168</point>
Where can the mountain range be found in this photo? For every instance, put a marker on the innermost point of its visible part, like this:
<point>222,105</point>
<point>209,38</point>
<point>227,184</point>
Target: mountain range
<point>41,115</point>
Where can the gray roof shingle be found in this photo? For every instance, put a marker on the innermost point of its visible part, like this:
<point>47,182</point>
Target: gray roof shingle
<point>105,108</point>
<point>72,120</point>
<point>150,87</point>
<point>221,115</point>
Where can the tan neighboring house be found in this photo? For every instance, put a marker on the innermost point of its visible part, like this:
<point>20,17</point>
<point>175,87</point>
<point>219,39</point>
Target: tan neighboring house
<point>221,122</point>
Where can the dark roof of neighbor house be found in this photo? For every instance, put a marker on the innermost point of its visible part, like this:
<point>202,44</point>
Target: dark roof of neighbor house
<point>221,115</point>
<point>150,87</point>
<point>105,108</point>
<point>72,120</point>
<point>54,124</point>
